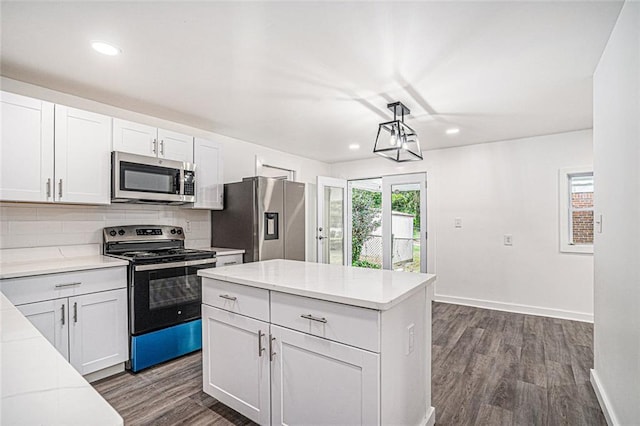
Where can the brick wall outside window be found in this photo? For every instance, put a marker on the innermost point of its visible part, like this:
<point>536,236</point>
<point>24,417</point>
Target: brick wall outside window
<point>582,220</point>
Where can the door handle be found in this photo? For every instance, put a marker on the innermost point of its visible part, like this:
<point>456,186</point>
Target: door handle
<point>62,314</point>
<point>260,348</point>
<point>75,312</point>
<point>49,188</point>
<point>60,189</point>
<point>320,237</point>
<point>154,146</point>
<point>271,352</point>
<point>161,146</point>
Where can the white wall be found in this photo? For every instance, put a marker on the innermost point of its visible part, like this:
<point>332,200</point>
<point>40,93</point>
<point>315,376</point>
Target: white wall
<point>616,140</point>
<point>508,187</point>
<point>31,225</point>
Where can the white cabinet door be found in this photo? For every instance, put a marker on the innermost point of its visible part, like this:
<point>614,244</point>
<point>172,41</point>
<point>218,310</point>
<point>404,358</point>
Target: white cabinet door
<point>209,181</point>
<point>175,146</point>
<point>235,358</point>
<point>135,138</point>
<point>82,156</point>
<point>314,378</point>
<point>98,330</point>
<point>51,318</point>
<point>26,149</point>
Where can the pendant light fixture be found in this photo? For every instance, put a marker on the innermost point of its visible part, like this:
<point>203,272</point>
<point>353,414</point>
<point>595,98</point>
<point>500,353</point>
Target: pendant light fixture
<point>396,140</point>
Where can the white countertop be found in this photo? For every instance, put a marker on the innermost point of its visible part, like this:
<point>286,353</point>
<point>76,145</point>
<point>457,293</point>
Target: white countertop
<point>26,262</point>
<point>37,385</point>
<point>368,288</point>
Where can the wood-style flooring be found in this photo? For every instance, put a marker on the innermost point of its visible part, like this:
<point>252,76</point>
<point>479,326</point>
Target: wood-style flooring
<point>488,368</point>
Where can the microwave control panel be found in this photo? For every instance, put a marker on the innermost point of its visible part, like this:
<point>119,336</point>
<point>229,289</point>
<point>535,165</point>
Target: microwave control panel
<point>189,183</point>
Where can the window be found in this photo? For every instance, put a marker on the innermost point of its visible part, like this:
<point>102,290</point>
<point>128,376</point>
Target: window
<point>576,210</point>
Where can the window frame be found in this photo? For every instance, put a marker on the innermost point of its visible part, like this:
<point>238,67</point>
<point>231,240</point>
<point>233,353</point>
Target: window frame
<point>564,192</point>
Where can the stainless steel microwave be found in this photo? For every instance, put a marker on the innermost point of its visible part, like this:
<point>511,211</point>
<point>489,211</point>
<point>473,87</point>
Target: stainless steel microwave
<point>142,179</point>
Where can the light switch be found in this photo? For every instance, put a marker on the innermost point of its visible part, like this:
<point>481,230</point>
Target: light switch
<point>458,222</point>
<point>508,239</point>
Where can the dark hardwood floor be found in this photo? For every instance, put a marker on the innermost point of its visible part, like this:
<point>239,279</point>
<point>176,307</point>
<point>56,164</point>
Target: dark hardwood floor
<point>489,368</point>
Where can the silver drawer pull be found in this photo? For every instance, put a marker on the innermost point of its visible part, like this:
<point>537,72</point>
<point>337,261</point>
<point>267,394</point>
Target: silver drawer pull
<point>63,314</point>
<point>312,318</point>
<point>67,285</point>
<point>272,353</point>
<point>226,296</point>
<point>230,263</point>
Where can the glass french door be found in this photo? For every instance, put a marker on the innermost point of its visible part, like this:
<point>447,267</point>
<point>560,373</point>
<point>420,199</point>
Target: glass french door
<point>331,232</point>
<point>404,219</point>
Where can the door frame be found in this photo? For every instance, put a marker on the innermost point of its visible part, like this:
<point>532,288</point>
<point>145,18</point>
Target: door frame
<point>387,183</point>
<point>322,182</point>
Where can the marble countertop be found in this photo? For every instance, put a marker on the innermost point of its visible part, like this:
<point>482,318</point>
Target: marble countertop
<point>37,385</point>
<point>368,288</point>
<point>15,263</point>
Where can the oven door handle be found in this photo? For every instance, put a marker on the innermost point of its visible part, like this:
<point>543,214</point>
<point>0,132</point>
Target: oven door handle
<point>156,266</point>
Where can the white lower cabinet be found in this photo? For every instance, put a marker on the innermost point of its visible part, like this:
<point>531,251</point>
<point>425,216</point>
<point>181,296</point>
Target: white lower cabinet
<point>310,361</point>
<point>323,381</point>
<point>236,362</point>
<point>83,314</point>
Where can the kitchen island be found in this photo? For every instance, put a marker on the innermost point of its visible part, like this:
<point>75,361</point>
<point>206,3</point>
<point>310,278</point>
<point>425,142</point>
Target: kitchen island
<point>298,343</point>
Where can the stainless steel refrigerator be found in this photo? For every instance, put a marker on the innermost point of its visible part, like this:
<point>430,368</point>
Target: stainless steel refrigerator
<point>263,216</point>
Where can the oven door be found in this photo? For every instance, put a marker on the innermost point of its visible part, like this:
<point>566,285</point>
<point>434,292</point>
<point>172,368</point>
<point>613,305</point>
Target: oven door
<point>166,294</point>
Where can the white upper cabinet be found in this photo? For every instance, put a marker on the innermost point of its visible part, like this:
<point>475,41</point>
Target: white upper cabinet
<point>146,140</point>
<point>175,146</point>
<point>26,149</point>
<point>71,164</point>
<point>207,156</point>
<point>82,156</point>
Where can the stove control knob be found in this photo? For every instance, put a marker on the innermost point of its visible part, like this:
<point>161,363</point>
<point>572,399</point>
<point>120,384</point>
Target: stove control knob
<point>121,232</point>
<point>173,231</point>
<point>112,233</point>
<point>179,231</point>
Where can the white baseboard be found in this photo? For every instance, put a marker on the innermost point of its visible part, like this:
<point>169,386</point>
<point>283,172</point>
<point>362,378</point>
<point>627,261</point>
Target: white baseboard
<point>519,309</point>
<point>105,372</point>
<point>605,403</point>
<point>430,418</point>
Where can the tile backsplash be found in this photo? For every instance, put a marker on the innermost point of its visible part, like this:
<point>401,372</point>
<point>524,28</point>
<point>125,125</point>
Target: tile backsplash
<point>43,225</point>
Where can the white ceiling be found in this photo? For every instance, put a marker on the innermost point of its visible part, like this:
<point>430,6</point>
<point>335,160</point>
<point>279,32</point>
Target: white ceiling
<point>310,78</point>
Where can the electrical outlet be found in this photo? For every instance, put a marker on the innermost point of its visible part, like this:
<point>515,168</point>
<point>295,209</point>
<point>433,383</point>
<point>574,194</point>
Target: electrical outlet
<point>508,239</point>
<point>458,222</point>
<point>411,339</point>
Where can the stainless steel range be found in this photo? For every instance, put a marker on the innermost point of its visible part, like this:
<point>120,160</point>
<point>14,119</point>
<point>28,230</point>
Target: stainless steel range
<point>164,291</point>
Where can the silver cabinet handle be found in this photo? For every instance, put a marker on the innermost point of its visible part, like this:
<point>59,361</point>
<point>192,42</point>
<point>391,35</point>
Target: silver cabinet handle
<point>229,263</point>
<point>62,314</point>
<point>271,352</point>
<point>226,296</point>
<point>312,318</point>
<point>154,146</point>
<point>49,188</point>
<point>75,312</point>
<point>161,146</point>
<point>67,285</point>
<point>260,348</point>
<point>60,189</point>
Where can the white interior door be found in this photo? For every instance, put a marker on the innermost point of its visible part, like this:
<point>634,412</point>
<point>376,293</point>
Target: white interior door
<point>332,235</point>
<point>404,236</point>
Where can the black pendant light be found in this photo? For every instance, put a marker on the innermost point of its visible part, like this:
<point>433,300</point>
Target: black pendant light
<point>395,140</point>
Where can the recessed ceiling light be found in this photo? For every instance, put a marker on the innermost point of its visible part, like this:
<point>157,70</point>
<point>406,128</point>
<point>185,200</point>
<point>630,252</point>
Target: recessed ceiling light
<point>105,48</point>
<point>453,131</point>
<point>354,146</point>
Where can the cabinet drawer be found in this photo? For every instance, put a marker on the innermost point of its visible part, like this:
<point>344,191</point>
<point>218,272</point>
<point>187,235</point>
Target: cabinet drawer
<point>241,299</point>
<point>53,286</point>
<point>351,325</point>
<point>228,259</point>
